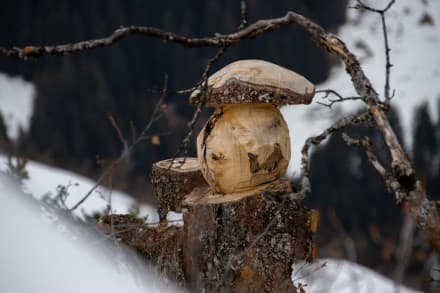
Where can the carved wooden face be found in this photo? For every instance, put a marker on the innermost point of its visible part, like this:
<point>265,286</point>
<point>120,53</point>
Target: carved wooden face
<point>243,146</point>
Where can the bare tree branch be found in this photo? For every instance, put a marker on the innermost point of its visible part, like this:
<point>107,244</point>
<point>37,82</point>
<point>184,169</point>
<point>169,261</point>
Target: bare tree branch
<point>388,64</point>
<point>316,140</point>
<point>365,143</point>
<point>348,242</point>
<point>202,86</point>
<point>141,136</point>
<point>429,218</point>
<point>119,132</point>
<point>406,233</point>
<point>339,98</point>
<point>426,212</point>
<point>244,15</point>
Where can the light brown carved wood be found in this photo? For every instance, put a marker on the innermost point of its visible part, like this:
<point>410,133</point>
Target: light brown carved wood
<point>256,81</point>
<point>243,146</point>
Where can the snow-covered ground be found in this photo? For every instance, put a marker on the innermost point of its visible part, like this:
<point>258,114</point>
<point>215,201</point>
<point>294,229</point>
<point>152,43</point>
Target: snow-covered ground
<point>44,180</point>
<point>53,253</point>
<point>16,102</point>
<point>415,75</point>
<point>45,250</point>
<point>341,276</point>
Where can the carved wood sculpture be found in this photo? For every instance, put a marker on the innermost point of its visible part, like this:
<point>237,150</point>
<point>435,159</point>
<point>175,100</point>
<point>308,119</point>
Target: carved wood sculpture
<point>243,232</point>
<point>246,141</point>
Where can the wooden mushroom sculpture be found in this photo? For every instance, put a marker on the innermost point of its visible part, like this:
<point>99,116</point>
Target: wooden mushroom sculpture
<point>245,143</point>
<point>244,232</point>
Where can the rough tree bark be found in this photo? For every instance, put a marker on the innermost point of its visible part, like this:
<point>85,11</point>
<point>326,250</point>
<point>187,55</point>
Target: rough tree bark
<point>246,242</point>
<point>172,180</point>
<point>401,179</point>
<point>243,242</point>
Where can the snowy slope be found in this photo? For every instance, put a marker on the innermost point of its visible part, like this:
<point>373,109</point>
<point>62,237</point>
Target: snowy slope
<point>340,276</point>
<point>16,102</point>
<point>44,250</point>
<point>38,253</point>
<point>415,76</point>
<point>43,181</point>
<point>53,253</point>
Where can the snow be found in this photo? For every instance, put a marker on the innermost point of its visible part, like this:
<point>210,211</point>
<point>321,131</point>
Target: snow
<point>45,250</point>
<point>415,74</point>
<point>56,254</point>
<point>341,276</point>
<point>16,103</point>
<point>43,181</point>
<point>175,219</point>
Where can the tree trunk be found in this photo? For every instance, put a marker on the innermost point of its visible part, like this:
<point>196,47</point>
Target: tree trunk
<point>172,181</point>
<point>243,242</point>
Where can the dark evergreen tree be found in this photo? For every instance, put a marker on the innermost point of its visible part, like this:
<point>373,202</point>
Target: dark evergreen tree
<point>344,181</point>
<point>424,146</point>
<point>76,93</point>
<point>435,193</point>
<point>3,131</point>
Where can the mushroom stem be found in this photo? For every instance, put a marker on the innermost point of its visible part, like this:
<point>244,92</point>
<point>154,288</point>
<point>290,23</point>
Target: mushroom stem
<point>243,146</point>
<point>246,141</point>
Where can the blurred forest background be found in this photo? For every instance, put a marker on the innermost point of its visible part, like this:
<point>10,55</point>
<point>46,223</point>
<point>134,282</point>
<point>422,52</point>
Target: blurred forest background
<point>76,93</point>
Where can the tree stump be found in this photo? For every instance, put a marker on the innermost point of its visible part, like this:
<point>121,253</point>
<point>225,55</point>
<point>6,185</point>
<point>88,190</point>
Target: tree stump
<point>172,180</point>
<point>244,242</point>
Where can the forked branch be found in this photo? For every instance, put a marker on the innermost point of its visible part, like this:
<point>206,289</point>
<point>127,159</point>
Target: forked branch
<point>316,140</point>
<point>338,98</point>
<point>388,65</point>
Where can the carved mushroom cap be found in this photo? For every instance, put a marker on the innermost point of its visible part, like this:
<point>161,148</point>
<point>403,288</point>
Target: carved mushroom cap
<point>256,81</point>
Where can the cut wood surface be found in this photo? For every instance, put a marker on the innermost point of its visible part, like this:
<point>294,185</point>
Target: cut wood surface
<point>256,81</point>
<point>172,180</point>
<point>204,195</point>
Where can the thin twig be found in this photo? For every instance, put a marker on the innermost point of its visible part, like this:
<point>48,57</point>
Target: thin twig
<point>133,131</point>
<point>304,264</point>
<point>316,140</point>
<point>203,87</point>
<point>390,181</point>
<point>339,97</point>
<point>244,15</point>
<point>119,132</point>
<point>173,91</point>
<point>406,234</point>
<point>388,65</point>
<point>129,149</point>
<point>348,242</point>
